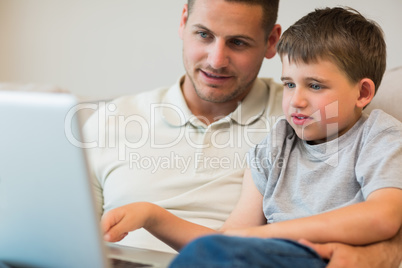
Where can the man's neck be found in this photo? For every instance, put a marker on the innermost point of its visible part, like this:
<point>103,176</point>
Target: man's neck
<point>206,111</point>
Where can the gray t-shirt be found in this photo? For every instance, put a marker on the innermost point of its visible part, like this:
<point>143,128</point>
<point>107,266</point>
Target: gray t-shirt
<point>299,180</point>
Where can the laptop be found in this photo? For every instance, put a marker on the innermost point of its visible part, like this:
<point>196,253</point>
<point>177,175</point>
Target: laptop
<point>47,208</point>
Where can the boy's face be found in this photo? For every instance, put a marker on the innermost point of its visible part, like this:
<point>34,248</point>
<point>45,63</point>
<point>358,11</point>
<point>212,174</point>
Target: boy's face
<point>319,101</point>
<point>224,45</point>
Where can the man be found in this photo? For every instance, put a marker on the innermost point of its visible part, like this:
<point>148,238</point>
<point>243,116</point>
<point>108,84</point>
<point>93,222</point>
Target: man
<point>184,147</point>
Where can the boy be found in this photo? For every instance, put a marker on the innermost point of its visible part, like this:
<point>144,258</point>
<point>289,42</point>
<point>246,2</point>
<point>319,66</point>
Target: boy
<point>326,173</point>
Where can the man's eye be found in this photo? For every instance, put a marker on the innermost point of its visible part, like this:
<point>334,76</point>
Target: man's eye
<point>290,85</point>
<point>203,34</point>
<point>315,87</point>
<point>238,42</point>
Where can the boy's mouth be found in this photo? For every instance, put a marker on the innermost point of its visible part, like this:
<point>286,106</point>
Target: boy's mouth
<point>300,119</point>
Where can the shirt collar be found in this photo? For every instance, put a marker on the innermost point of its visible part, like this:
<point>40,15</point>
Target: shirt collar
<point>253,105</point>
<point>174,107</point>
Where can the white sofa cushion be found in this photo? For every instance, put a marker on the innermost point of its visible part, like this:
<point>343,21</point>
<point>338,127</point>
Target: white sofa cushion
<point>389,94</point>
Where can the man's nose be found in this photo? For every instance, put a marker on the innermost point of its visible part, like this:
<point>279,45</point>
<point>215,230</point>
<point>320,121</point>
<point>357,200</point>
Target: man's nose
<point>218,56</point>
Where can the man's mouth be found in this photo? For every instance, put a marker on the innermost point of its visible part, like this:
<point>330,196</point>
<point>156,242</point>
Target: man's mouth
<point>214,75</point>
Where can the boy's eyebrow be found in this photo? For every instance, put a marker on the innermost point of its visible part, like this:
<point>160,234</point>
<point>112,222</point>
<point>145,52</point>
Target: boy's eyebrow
<point>318,79</point>
<point>202,27</point>
<point>310,78</point>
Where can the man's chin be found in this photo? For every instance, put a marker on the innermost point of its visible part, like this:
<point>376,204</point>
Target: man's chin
<point>215,98</point>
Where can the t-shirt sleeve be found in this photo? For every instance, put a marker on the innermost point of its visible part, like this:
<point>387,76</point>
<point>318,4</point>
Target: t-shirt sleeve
<point>259,164</point>
<point>264,157</point>
<point>380,161</point>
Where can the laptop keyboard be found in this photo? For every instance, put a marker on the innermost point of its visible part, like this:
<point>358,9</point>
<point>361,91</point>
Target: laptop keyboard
<point>116,263</point>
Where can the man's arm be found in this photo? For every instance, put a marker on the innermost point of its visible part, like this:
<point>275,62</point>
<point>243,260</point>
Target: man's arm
<point>378,218</point>
<point>382,254</point>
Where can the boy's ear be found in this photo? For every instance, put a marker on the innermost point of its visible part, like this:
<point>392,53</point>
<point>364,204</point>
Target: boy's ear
<point>273,39</point>
<point>366,93</point>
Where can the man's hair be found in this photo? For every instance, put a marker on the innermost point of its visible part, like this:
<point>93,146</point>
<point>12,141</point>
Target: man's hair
<point>342,35</point>
<point>269,7</point>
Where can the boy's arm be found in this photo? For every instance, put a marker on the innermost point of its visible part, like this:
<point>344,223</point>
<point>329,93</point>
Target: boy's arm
<point>378,218</point>
<point>175,231</point>
<point>248,211</point>
<point>167,227</point>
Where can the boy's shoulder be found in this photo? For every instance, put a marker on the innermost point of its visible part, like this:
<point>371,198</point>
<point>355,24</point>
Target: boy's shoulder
<point>379,122</point>
<point>282,129</point>
<point>280,133</point>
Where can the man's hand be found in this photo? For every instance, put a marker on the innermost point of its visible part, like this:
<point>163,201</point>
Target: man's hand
<point>341,255</point>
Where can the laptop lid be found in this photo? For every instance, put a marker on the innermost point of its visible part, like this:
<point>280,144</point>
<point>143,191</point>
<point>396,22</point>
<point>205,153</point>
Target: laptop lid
<point>46,206</point>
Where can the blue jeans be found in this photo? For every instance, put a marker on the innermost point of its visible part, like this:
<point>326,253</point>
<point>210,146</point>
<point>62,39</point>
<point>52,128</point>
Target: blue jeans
<point>219,251</point>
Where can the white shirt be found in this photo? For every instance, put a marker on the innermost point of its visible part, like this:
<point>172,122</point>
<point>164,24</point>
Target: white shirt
<point>149,147</point>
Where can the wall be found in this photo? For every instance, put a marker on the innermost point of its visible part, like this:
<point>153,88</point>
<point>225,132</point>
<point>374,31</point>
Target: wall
<point>106,48</point>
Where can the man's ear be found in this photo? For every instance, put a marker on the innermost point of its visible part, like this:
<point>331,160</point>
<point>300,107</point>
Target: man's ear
<point>183,20</point>
<point>273,39</point>
<point>366,92</point>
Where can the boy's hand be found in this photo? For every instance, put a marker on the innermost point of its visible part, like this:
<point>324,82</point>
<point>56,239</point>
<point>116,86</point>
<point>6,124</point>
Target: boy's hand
<point>117,222</point>
<point>164,225</point>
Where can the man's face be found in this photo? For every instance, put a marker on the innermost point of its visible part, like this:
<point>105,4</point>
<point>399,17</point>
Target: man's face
<point>223,48</point>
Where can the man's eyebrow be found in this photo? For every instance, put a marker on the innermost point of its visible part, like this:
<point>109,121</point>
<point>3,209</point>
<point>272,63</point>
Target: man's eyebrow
<point>245,37</point>
<point>201,27</point>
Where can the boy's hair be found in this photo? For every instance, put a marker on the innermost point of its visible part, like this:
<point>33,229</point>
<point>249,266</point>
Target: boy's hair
<point>269,7</point>
<point>342,35</point>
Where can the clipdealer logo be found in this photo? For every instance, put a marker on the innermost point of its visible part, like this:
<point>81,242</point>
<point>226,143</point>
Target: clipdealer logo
<point>114,129</point>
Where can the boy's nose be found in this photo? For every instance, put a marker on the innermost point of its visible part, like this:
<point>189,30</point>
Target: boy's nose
<point>218,55</point>
<point>298,99</point>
